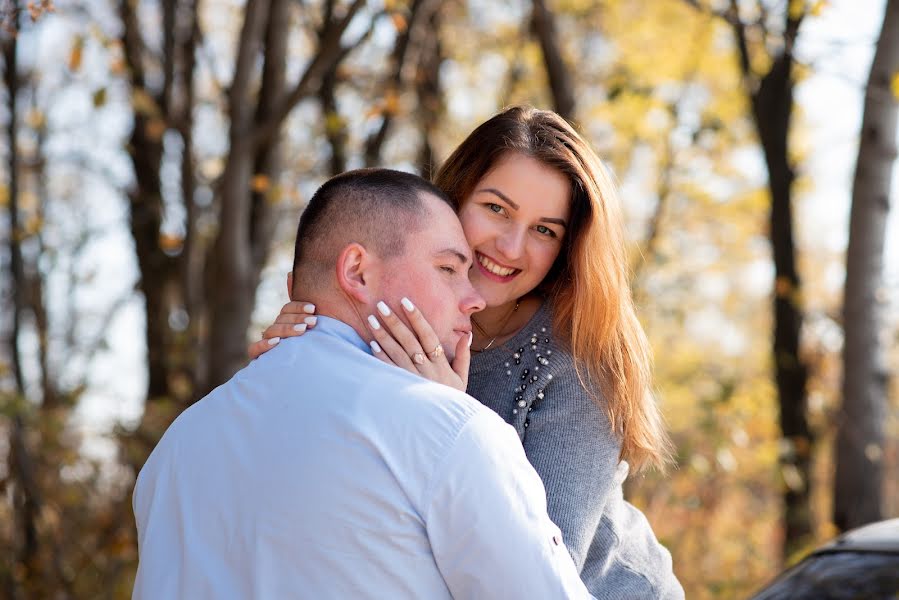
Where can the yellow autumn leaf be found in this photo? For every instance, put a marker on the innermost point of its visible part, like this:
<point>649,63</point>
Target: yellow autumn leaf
<point>117,65</point>
<point>33,225</point>
<point>155,129</point>
<point>391,102</point>
<point>28,200</point>
<point>894,85</point>
<point>783,286</point>
<point>275,194</point>
<point>260,183</point>
<point>399,22</point>
<point>144,102</point>
<point>334,122</point>
<point>36,119</point>
<point>170,243</point>
<point>818,7</point>
<point>99,97</point>
<point>76,54</point>
<point>797,8</point>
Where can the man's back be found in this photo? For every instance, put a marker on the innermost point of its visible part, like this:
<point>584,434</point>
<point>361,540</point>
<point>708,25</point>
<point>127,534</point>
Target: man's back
<point>319,471</point>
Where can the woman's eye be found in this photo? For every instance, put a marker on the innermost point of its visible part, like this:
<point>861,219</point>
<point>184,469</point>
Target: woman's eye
<point>495,208</point>
<point>544,230</point>
<point>448,269</point>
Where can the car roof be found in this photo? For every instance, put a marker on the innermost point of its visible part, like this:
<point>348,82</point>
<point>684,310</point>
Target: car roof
<point>882,536</point>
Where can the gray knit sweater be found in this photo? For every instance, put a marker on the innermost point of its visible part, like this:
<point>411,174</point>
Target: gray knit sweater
<point>531,382</point>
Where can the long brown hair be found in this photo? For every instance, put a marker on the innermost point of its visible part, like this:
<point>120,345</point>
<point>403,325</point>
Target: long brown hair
<point>588,284</point>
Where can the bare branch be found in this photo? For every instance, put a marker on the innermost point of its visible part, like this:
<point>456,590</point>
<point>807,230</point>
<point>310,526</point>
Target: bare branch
<point>328,52</point>
<point>404,59</point>
<point>240,92</point>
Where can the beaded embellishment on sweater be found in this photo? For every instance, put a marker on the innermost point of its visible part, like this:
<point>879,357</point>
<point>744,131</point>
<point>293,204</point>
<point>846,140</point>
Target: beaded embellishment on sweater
<point>527,378</point>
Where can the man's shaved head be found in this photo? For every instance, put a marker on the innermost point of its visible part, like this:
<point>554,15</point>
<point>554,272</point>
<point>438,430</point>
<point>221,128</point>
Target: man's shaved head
<point>377,208</point>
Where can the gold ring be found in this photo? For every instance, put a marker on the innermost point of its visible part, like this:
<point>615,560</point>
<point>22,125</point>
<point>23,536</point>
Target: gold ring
<point>436,352</point>
<point>418,358</point>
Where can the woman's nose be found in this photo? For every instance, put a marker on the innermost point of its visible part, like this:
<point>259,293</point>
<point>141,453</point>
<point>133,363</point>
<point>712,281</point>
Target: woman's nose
<point>511,242</point>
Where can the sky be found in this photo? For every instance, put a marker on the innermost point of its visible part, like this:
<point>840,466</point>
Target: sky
<point>831,101</point>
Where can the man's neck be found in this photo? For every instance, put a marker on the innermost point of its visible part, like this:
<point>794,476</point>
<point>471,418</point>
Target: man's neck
<point>342,308</point>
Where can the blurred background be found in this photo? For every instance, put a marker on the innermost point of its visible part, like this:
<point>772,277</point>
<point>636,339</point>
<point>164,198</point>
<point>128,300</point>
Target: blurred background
<point>155,157</point>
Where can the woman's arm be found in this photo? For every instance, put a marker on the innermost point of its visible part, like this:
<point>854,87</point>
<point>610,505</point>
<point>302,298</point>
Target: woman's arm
<point>570,443</point>
<point>293,320</point>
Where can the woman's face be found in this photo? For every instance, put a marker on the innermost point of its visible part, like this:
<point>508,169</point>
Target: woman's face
<point>515,220</point>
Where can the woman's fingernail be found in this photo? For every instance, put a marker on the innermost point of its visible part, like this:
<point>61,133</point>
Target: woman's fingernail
<point>273,341</point>
<point>309,308</point>
<point>407,304</point>
<point>375,346</point>
<point>373,322</point>
<point>301,327</point>
<point>383,309</point>
<point>310,321</point>
<point>470,338</point>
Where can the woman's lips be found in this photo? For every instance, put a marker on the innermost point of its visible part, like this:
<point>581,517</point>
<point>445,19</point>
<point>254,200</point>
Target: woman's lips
<point>481,258</point>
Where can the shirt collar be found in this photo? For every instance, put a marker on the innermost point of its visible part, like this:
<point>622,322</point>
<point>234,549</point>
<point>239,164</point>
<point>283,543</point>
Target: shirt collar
<point>339,329</point>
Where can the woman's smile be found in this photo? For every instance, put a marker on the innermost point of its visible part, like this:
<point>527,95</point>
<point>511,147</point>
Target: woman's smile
<point>495,270</point>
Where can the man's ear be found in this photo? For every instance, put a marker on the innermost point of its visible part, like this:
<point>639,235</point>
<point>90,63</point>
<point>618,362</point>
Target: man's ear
<point>355,270</point>
<point>290,285</point>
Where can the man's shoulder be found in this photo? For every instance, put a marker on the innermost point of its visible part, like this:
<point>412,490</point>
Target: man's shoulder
<point>434,410</point>
<point>420,394</point>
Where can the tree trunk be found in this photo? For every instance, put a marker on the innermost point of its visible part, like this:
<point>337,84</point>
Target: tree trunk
<point>557,71</point>
<point>430,97</point>
<point>232,286</point>
<point>146,207</point>
<point>244,237</point>
<point>25,495</point>
<point>16,262</point>
<point>859,449</point>
<point>335,127</point>
<point>50,397</point>
<point>192,361</point>
<point>771,99</point>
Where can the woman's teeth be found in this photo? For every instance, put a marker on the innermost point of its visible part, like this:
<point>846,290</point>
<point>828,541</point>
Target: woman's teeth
<point>493,267</point>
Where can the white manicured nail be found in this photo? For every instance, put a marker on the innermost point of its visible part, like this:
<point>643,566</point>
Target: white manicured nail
<point>407,304</point>
<point>301,327</point>
<point>373,322</point>
<point>311,321</point>
<point>375,346</point>
<point>470,338</point>
<point>309,308</point>
<point>383,309</point>
<point>273,341</point>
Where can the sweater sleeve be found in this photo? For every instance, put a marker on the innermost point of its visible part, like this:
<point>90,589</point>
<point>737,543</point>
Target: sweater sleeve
<point>570,443</point>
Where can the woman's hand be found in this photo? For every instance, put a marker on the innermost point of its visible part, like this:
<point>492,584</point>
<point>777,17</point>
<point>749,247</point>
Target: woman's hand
<point>418,351</point>
<point>295,318</point>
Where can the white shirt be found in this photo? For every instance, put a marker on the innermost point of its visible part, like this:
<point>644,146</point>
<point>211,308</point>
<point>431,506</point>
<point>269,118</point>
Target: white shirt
<point>320,472</point>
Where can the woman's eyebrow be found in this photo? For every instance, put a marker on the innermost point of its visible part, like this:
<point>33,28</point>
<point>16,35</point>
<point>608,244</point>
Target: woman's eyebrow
<point>500,195</point>
<point>556,221</point>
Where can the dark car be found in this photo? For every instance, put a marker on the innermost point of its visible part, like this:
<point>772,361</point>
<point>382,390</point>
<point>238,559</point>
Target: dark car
<point>860,564</point>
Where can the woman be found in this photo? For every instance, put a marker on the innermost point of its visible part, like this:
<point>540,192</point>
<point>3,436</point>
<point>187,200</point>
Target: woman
<point>558,352</point>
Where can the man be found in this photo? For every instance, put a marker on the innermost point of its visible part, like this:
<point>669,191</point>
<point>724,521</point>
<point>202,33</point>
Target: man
<point>318,471</point>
